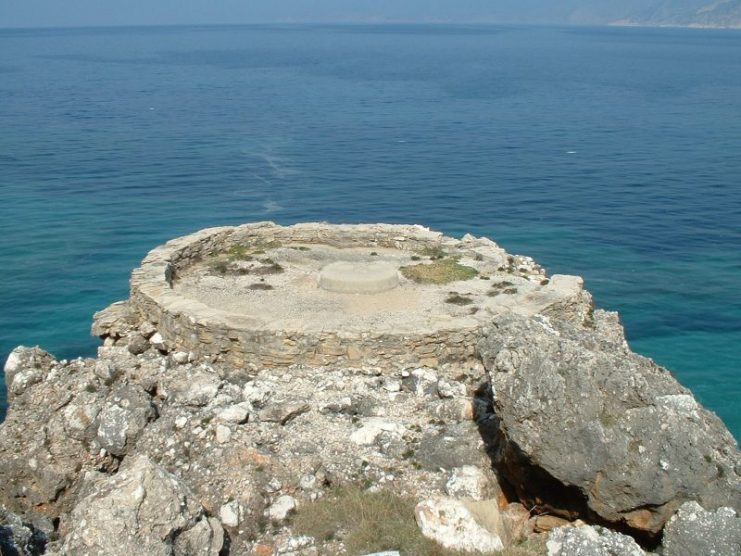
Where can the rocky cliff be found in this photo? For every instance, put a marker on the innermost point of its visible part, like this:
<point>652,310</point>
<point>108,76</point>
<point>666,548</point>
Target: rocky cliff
<point>559,441</point>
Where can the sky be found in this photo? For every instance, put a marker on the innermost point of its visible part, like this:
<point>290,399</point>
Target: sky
<point>73,13</point>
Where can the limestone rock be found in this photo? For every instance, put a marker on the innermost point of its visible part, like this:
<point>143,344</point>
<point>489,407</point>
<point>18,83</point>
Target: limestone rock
<point>373,428</point>
<point>282,412</point>
<point>158,342</point>
<point>468,482</point>
<point>452,447</point>
<point>421,382</point>
<point>141,510</point>
<point>279,510</point>
<point>20,538</point>
<point>127,412</point>
<point>231,514</point>
<point>450,389</point>
<point>115,321</point>
<point>205,538</point>
<point>24,368</point>
<point>590,541</point>
<point>197,390</point>
<point>590,428</point>
<point>236,414</point>
<point>449,523</point>
<point>515,520</point>
<point>693,531</point>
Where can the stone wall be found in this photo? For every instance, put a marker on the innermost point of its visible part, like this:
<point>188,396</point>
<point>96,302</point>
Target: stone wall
<point>187,325</point>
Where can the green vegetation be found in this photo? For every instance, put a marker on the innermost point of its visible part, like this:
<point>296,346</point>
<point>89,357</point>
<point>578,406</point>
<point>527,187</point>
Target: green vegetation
<point>434,253</point>
<point>441,271</point>
<point>240,252</point>
<point>369,522</point>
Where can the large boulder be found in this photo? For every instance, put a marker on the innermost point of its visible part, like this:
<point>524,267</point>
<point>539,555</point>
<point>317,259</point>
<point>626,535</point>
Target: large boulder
<point>141,510</point>
<point>590,541</point>
<point>450,523</point>
<point>124,416</point>
<point>693,531</point>
<point>586,427</point>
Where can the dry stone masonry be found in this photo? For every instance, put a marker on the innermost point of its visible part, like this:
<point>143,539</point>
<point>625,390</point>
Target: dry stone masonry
<point>320,294</point>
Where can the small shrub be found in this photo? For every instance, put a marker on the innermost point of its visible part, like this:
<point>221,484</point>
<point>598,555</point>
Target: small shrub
<point>442,271</point>
<point>219,267</point>
<point>416,258</point>
<point>510,291</point>
<point>545,282</point>
<point>239,252</point>
<point>457,299</point>
<point>260,286</point>
<point>373,254</point>
<point>434,253</point>
<point>269,266</point>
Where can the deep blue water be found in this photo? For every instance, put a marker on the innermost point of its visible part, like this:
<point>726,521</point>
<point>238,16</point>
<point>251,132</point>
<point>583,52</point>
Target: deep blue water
<point>610,153</point>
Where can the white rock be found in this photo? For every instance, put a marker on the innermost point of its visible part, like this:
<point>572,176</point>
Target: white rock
<point>449,523</point>
<point>274,485</point>
<point>157,341</point>
<point>424,382</point>
<point>468,482</point>
<point>237,414</point>
<point>281,508</point>
<point>590,540</point>
<point>223,434</point>
<point>392,385</point>
<point>12,363</point>
<point>373,427</point>
<point>180,357</point>
<point>258,392</point>
<point>231,514</point>
<point>308,482</point>
<point>181,421</point>
<point>450,389</point>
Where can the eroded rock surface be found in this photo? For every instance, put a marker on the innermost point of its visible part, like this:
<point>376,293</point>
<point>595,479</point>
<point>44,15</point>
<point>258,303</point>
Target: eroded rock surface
<point>143,509</point>
<point>587,427</point>
<point>590,541</point>
<point>162,446</point>
<point>694,531</point>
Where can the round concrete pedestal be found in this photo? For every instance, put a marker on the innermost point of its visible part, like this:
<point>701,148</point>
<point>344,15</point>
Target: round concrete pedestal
<point>371,277</point>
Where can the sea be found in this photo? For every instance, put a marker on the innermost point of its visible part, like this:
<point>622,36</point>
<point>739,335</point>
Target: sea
<point>611,153</point>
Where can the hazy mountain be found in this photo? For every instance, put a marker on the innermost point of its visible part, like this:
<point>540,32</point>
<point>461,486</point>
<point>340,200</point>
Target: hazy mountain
<point>701,13</point>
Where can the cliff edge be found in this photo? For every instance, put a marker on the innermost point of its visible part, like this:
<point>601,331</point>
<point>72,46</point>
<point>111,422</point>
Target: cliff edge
<point>505,413</point>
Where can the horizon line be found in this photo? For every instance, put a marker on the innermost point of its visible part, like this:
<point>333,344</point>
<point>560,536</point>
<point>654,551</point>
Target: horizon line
<point>369,22</point>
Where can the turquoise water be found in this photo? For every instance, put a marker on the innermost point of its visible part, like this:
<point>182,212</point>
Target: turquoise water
<point>610,153</point>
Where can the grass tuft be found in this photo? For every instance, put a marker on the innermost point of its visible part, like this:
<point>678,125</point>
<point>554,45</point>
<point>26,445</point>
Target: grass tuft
<point>369,522</point>
<point>442,271</point>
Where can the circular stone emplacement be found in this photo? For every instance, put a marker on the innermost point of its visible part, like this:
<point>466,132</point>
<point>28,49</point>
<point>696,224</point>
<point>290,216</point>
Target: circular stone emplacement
<point>358,277</point>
